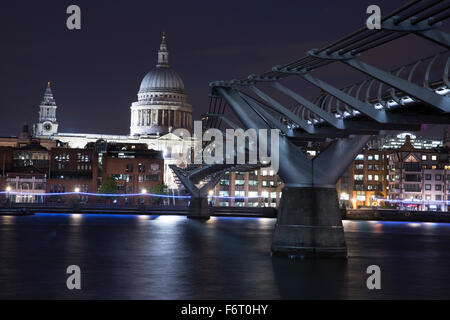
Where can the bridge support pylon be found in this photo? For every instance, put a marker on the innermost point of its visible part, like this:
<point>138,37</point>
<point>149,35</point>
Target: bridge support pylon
<point>199,208</point>
<point>309,224</point>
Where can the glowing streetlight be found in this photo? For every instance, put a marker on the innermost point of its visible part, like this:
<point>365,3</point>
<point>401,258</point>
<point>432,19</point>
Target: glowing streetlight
<point>144,191</point>
<point>77,190</point>
<point>354,203</point>
<point>8,189</point>
<point>211,192</point>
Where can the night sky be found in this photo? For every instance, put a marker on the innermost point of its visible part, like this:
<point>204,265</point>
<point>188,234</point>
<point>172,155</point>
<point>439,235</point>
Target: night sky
<point>96,71</point>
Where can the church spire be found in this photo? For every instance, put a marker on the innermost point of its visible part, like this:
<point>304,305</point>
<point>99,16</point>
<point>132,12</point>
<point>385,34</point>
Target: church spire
<point>47,124</point>
<point>48,96</point>
<point>163,53</point>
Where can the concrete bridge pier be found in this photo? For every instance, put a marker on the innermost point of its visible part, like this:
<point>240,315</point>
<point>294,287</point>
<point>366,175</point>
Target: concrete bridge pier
<point>309,221</point>
<point>309,224</point>
<point>199,208</point>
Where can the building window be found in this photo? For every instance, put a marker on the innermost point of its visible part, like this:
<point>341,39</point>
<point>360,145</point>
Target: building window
<point>224,193</point>
<point>376,157</point>
<point>412,188</point>
<point>424,157</point>
<point>437,197</point>
<point>240,193</point>
<point>358,177</point>
<point>151,177</point>
<point>369,177</point>
<point>434,158</point>
<point>360,196</point>
<point>438,187</point>
<point>369,157</point>
<point>438,177</point>
<point>359,157</point>
<point>427,176</point>
<point>253,194</point>
<point>428,187</point>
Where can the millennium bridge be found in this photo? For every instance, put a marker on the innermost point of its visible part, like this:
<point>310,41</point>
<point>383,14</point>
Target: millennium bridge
<point>340,120</point>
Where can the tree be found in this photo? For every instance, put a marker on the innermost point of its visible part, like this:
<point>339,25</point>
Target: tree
<point>109,186</point>
<point>159,188</point>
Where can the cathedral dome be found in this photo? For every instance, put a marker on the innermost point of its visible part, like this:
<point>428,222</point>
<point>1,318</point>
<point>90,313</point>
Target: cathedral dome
<point>162,101</point>
<point>162,79</point>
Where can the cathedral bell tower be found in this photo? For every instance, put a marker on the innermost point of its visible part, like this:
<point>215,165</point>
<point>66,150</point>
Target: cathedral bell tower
<point>47,124</point>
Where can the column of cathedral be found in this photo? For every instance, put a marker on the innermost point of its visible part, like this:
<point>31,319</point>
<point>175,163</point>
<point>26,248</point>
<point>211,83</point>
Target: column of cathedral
<point>162,117</point>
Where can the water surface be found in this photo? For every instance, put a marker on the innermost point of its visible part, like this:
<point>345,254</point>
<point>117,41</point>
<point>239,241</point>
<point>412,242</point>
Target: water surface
<point>171,257</point>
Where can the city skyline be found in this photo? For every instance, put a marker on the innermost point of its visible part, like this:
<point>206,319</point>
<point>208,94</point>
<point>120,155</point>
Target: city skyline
<point>122,48</point>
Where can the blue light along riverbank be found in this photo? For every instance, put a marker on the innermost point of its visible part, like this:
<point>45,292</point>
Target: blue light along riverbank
<point>171,257</point>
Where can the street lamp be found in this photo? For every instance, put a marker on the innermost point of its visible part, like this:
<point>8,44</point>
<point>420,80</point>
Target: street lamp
<point>76,199</point>
<point>210,193</point>
<point>8,190</point>
<point>143,192</point>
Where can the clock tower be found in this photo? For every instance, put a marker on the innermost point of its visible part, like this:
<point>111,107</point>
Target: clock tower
<point>47,124</point>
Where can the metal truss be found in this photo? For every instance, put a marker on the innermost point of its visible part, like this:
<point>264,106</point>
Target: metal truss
<point>348,113</point>
<point>199,179</point>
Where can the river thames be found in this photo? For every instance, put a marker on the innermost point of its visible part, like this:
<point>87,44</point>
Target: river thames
<point>172,257</point>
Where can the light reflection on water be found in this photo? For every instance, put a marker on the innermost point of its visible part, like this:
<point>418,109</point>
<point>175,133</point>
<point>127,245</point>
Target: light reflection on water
<point>171,257</point>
